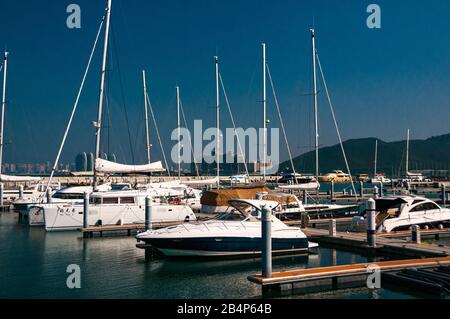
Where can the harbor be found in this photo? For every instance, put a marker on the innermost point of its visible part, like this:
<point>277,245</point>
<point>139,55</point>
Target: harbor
<point>148,156</point>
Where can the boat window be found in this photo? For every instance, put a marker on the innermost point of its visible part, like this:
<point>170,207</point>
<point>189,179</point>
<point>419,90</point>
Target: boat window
<point>110,200</point>
<point>127,200</point>
<point>417,201</point>
<point>95,200</point>
<point>425,206</point>
<point>232,216</point>
<point>68,196</point>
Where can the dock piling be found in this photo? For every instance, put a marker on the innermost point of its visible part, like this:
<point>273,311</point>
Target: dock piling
<point>375,192</point>
<point>86,210</point>
<point>20,191</point>
<point>332,191</point>
<point>266,232</point>
<point>443,195</point>
<point>380,193</point>
<point>148,213</point>
<point>332,227</point>
<point>361,189</point>
<point>2,188</point>
<point>305,197</point>
<point>49,195</point>
<point>415,234</point>
<point>371,225</point>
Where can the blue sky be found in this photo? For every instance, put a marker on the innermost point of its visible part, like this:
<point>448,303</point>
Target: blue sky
<point>381,81</point>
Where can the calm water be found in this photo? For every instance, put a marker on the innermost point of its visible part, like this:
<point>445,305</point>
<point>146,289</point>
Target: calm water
<point>33,265</point>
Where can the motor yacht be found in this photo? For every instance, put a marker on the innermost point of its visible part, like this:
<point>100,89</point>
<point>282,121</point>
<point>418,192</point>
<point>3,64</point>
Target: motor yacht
<point>402,212</point>
<point>234,233</point>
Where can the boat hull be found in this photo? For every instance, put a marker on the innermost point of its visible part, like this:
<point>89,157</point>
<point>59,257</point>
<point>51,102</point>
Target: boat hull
<point>224,247</point>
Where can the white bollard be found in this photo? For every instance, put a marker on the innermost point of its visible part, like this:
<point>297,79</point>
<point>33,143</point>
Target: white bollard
<point>148,213</point>
<point>266,232</point>
<point>371,223</point>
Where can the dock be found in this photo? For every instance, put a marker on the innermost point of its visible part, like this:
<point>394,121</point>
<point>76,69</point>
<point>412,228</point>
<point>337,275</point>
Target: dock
<point>339,277</point>
<point>385,245</point>
<point>424,256</point>
<point>128,229</point>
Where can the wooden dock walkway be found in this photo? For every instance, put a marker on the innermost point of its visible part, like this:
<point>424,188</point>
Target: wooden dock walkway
<point>128,229</point>
<point>338,277</point>
<point>385,245</point>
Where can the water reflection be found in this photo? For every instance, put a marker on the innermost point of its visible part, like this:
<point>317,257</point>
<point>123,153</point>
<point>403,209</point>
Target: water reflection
<point>33,265</point>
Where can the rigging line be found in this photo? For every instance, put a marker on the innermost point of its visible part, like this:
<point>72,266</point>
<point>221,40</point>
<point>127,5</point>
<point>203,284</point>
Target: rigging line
<point>234,125</point>
<point>281,121</point>
<point>335,123</point>
<point>76,104</point>
<point>190,141</point>
<point>123,96</point>
<point>157,133</point>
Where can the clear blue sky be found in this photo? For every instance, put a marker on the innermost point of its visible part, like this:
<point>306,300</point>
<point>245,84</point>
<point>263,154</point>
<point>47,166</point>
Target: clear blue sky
<point>381,81</point>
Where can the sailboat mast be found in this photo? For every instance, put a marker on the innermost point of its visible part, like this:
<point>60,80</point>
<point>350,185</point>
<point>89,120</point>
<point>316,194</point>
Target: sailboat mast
<point>407,153</point>
<point>178,128</point>
<point>5,67</point>
<point>264,100</point>
<point>376,158</point>
<point>316,123</point>
<point>217,122</point>
<point>98,125</point>
<point>147,135</point>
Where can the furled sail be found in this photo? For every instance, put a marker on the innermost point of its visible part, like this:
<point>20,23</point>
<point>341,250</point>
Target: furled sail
<point>197,182</point>
<point>104,166</point>
<point>11,178</point>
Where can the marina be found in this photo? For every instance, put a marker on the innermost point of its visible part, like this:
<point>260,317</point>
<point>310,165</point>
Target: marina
<point>168,176</point>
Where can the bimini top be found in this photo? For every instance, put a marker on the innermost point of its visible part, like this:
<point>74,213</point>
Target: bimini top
<point>281,198</point>
<point>221,197</point>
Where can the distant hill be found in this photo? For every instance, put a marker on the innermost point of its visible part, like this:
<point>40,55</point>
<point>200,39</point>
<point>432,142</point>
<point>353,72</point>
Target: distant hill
<point>432,153</point>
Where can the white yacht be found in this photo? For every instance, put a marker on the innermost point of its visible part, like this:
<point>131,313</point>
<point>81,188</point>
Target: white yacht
<point>31,193</point>
<point>380,179</point>
<point>297,181</point>
<point>69,195</point>
<point>402,212</point>
<point>291,208</point>
<point>176,192</point>
<point>235,233</point>
<point>113,208</point>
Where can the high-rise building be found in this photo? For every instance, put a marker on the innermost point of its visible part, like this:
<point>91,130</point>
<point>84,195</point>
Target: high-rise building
<point>90,162</point>
<point>81,162</point>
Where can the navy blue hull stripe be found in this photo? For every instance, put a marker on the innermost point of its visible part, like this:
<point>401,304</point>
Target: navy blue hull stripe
<point>220,244</point>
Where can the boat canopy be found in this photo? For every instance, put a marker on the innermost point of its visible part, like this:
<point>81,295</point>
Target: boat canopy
<point>247,206</point>
<point>282,198</point>
<point>221,197</point>
<point>11,178</point>
<point>104,166</point>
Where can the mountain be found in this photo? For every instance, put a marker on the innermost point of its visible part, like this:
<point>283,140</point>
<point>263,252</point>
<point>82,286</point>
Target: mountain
<point>430,154</point>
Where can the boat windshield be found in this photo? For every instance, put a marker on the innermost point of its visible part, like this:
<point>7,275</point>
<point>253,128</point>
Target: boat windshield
<point>231,216</point>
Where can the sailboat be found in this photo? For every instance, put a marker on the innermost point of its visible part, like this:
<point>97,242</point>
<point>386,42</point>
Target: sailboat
<point>411,176</point>
<point>32,191</point>
<point>378,178</point>
<point>113,207</point>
